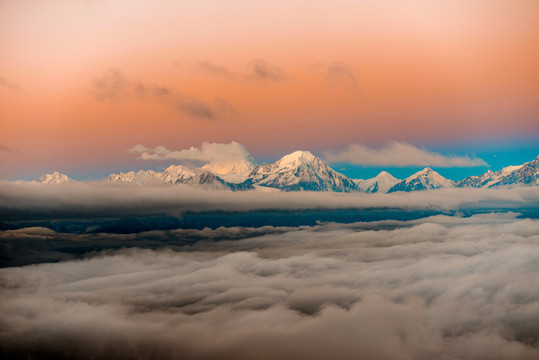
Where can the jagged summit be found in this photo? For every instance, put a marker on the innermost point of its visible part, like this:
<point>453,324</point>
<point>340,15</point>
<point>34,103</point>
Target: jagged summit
<point>526,174</point>
<point>425,179</point>
<point>54,178</point>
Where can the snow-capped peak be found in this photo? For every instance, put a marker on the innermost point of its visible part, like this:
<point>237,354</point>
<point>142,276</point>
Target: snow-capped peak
<point>427,174</point>
<point>54,178</point>
<point>301,170</point>
<point>425,179</point>
<point>380,183</point>
<point>296,158</point>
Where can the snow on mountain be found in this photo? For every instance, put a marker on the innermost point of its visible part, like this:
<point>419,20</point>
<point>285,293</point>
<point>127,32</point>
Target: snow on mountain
<point>234,172</point>
<point>54,178</point>
<point>177,174</point>
<point>425,179</point>
<point>141,177</point>
<point>231,167</point>
<point>521,175</point>
<point>380,183</point>
<point>301,170</point>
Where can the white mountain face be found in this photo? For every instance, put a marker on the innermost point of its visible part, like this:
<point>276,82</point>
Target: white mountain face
<point>177,174</point>
<point>301,170</point>
<point>380,183</point>
<point>511,176</point>
<point>233,171</point>
<point>241,166</point>
<point>54,178</point>
<point>141,177</point>
<point>426,179</point>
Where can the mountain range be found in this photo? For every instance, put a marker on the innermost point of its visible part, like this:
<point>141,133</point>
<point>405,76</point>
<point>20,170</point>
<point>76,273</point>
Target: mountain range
<point>302,171</point>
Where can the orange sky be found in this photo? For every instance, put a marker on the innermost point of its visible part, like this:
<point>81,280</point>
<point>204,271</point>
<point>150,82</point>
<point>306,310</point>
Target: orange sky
<point>83,81</point>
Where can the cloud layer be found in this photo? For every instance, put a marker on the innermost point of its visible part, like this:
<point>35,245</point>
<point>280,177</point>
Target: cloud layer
<point>31,200</point>
<point>441,287</point>
<point>399,154</point>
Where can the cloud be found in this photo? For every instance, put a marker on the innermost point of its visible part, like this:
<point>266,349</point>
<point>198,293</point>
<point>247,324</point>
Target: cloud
<point>199,110</point>
<point>208,152</point>
<point>214,70</point>
<point>442,287</point>
<point>399,154</point>
<point>341,73</point>
<point>258,70</point>
<point>113,85</point>
<point>5,148</point>
<point>264,71</point>
<point>6,84</point>
<point>218,110</point>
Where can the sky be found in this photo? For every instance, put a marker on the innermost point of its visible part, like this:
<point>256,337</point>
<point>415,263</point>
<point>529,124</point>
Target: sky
<point>83,81</point>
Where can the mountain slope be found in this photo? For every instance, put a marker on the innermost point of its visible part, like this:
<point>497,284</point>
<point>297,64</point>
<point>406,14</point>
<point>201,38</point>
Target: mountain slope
<point>299,171</point>
<point>426,179</point>
<point>178,174</point>
<point>526,174</point>
<point>380,183</point>
<point>141,177</point>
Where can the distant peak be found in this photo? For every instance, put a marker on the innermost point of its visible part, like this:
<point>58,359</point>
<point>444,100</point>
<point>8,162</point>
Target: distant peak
<point>54,178</point>
<point>425,172</point>
<point>385,174</point>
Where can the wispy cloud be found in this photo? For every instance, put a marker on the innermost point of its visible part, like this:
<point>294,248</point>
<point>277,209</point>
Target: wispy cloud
<point>264,71</point>
<point>6,149</point>
<point>113,85</point>
<point>203,110</point>
<point>257,70</point>
<point>338,74</point>
<point>7,84</point>
<point>399,154</point>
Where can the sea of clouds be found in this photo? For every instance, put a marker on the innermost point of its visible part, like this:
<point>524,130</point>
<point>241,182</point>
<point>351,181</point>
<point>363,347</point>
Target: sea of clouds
<point>441,287</point>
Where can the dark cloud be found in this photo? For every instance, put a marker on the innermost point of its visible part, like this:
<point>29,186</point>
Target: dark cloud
<point>197,109</point>
<point>439,287</point>
<point>218,110</point>
<point>215,70</point>
<point>262,70</point>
